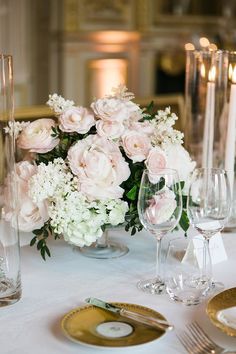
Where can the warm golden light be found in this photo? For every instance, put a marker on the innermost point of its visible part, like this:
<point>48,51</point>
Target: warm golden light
<point>106,74</point>
<point>189,46</point>
<point>204,42</point>
<point>114,37</point>
<point>230,71</point>
<point>234,75</point>
<point>213,46</point>
<point>202,70</point>
<point>212,74</point>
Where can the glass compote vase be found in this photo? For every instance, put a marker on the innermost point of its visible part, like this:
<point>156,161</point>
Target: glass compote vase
<point>104,248</point>
<point>209,203</point>
<point>159,208</point>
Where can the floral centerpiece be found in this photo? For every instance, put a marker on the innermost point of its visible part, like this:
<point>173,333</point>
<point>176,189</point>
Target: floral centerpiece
<point>82,171</point>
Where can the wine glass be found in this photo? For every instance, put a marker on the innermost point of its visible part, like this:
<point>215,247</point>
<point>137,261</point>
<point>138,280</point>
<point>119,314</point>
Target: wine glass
<point>209,203</point>
<point>159,208</point>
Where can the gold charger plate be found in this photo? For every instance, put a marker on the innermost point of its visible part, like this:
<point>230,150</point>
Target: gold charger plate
<point>96,327</point>
<point>219,302</point>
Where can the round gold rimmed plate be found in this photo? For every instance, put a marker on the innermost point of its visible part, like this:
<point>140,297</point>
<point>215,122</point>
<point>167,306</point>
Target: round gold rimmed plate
<point>94,326</point>
<point>219,302</point>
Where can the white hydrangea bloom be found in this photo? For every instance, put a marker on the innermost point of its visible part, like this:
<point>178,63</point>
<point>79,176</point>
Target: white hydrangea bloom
<point>58,104</point>
<point>79,220</point>
<point>14,128</point>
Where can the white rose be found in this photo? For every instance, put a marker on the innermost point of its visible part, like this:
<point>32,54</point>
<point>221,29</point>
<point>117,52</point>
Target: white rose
<point>136,145</point>
<point>111,109</point>
<point>76,119</point>
<point>37,136</point>
<point>178,158</point>
<point>30,216</point>
<point>112,130</point>
<point>100,167</point>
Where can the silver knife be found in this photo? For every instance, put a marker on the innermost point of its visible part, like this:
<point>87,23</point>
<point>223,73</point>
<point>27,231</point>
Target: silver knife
<point>149,321</point>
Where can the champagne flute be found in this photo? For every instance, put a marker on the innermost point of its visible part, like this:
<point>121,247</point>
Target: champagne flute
<point>209,202</point>
<point>159,208</point>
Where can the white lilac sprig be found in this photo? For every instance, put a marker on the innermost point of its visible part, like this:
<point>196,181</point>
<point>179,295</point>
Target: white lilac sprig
<point>14,128</point>
<point>51,179</point>
<point>58,104</point>
<point>164,134</point>
<point>121,92</point>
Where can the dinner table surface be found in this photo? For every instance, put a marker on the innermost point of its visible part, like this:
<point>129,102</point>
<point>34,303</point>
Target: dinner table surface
<point>52,288</point>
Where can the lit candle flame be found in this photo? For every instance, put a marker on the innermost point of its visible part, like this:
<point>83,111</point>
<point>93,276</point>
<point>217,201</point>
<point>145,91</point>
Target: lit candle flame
<point>212,74</point>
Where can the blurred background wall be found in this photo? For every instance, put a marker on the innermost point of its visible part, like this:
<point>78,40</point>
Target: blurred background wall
<point>81,48</point>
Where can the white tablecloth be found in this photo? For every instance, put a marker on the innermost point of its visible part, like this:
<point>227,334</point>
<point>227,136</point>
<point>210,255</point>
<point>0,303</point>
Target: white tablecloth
<point>54,287</point>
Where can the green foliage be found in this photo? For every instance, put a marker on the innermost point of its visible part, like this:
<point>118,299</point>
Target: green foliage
<point>40,240</point>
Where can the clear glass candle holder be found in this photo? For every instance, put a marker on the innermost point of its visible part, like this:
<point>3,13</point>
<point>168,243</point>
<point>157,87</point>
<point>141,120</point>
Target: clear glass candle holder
<point>206,90</point>
<point>188,270</point>
<point>10,280</point>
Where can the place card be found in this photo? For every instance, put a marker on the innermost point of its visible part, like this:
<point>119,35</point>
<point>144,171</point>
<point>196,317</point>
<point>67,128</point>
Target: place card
<point>217,249</point>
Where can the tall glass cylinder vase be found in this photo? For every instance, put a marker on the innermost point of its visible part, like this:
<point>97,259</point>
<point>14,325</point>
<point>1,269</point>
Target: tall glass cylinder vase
<point>206,105</point>
<point>10,282</point>
<point>228,132</point>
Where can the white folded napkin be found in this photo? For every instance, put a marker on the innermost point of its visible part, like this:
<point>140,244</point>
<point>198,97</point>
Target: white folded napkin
<point>228,317</point>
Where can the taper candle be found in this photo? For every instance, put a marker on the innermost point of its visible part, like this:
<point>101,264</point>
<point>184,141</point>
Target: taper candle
<point>230,139</point>
<point>208,136</point>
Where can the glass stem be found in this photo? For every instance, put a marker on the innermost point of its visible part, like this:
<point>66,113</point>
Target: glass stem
<point>159,274</point>
<point>102,242</point>
<point>208,249</point>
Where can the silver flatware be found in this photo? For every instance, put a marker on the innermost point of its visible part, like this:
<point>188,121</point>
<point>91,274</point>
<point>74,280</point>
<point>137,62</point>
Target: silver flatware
<point>196,341</point>
<point>149,321</point>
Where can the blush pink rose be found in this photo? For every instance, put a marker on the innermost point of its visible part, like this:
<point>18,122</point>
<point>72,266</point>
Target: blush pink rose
<point>76,119</point>
<point>37,136</point>
<point>161,207</point>
<point>136,145</point>
<point>112,130</point>
<point>30,216</point>
<point>156,160</point>
<point>143,127</point>
<point>100,167</point>
<point>110,109</point>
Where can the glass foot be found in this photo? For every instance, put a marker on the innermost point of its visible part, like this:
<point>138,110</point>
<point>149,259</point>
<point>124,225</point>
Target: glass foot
<point>216,286</point>
<point>152,286</point>
<point>107,251</point>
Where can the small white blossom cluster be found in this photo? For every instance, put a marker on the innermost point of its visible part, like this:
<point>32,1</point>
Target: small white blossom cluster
<point>14,128</point>
<point>80,222</point>
<point>70,213</point>
<point>121,92</point>
<point>164,134</point>
<point>58,104</point>
<point>51,179</point>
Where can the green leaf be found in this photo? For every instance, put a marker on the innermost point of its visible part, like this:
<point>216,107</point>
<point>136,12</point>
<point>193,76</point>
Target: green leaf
<point>47,251</point>
<point>184,221</point>
<point>42,252</point>
<point>32,242</point>
<point>38,232</point>
<point>132,194</point>
<point>40,243</point>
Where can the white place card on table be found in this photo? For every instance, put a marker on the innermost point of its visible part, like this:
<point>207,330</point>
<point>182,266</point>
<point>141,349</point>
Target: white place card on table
<point>216,245</point>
